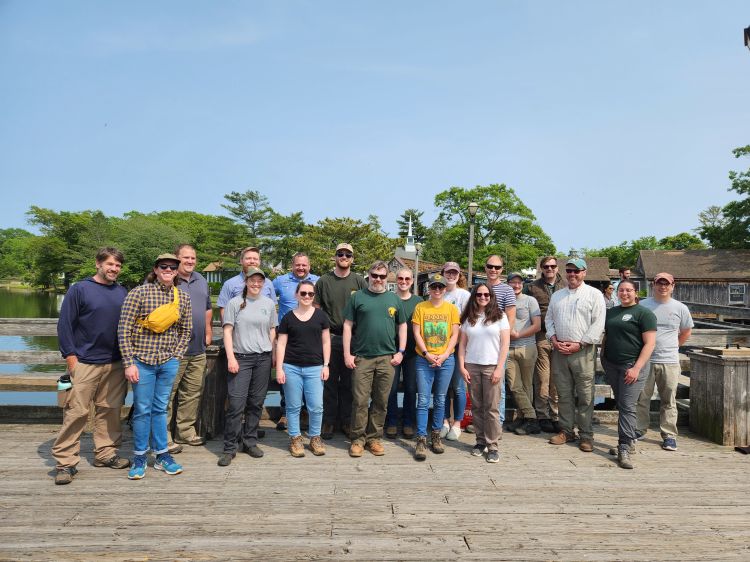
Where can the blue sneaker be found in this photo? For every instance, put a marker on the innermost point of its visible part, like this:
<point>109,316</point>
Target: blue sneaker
<point>138,470</point>
<point>669,444</point>
<point>166,463</point>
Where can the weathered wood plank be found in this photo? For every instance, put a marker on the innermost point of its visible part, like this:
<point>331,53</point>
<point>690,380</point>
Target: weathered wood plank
<point>28,326</point>
<point>32,357</point>
<point>22,383</point>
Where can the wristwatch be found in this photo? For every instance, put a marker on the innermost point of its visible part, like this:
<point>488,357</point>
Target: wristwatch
<point>401,351</point>
<point>424,353</point>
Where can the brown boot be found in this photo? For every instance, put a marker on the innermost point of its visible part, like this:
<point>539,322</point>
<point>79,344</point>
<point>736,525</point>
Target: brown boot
<point>562,438</point>
<point>437,443</point>
<point>317,447</point>
<point>375,447</point>
<point>296,447</point>
<point>420,450</point>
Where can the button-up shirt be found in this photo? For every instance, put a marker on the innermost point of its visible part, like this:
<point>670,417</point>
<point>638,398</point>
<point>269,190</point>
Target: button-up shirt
<point>576,315</point>
<point>286,287</point>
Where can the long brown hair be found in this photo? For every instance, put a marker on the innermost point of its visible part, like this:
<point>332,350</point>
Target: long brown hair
<point>492,312</point>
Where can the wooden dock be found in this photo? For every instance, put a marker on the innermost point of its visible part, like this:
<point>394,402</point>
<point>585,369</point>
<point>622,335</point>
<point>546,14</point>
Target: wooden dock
<point>540,502</point>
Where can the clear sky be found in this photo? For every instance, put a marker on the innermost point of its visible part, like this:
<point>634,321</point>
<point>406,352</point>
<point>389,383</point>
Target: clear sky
<point>611,120</point>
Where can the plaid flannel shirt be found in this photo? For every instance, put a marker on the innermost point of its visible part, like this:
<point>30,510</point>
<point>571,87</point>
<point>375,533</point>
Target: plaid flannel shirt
<point>149,347</point>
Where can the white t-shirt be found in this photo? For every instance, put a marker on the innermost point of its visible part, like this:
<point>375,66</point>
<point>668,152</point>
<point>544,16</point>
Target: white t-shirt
<point>483,341</point>
<point>459,297</point>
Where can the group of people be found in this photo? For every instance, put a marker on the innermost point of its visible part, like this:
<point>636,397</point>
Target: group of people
<point>342,345</point>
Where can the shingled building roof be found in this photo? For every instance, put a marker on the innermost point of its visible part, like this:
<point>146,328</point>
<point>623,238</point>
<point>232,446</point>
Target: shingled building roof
<point>705,265</point>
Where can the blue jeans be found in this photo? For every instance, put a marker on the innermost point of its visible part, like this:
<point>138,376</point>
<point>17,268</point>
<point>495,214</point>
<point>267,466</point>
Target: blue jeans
<point>303,381</point>
<point>407,370</point>
<point>150,398</point>
<point>426,376</point>
<point>458,386</point>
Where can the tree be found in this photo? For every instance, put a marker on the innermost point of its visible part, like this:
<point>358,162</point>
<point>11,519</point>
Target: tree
<point>682,241</point>
<point>418,229</point>
<point>15,254</point>
<point>252,209</point>
<point>283,236</point>
<point>730,228</point>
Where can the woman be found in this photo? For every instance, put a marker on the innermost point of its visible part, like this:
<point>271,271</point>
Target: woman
<point>249,331</point>
<point>629,340</point>
<point>406,370</point>
<point>456,395</point>
<point>607,292</point>
<point>435,323</point>
<point>485,337</point>
<point>303,351</point>
<point>155,325</point>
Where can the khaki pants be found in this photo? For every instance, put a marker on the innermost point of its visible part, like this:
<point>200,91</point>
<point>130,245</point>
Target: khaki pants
<point>545,391</point>
<point>188,387</point>
<point>574,377</point>
<point>104,386</point>
<point>665,377</point>
<point>519,370</point>
<point>485,399</point>
<point>371,381</point>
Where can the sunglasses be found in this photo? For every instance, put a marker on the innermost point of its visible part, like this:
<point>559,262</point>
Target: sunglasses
<point>437,287</point>
<point>307,293</point>
<point>166,266</point>
<point>576,271</point>
<point>344,255</point>
<point>378,275</point>
<point>403,278</point>
<point>549,267</point>
<point>483,295</point>
<point>495,267</point>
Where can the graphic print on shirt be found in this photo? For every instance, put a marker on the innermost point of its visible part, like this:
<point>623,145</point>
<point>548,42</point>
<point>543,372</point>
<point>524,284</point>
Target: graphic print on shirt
<point>435,331</point>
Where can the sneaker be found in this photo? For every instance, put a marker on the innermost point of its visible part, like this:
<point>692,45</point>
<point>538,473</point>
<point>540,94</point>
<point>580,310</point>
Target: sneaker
<point>138,469</point>
<point>281,424</point>
<point>453,434</point>
<point>408,432</point>
<point>225,459</point>
<point>327,432</point>
<point>391,432</point>
<point>437,444</point>
<point>493,456</point>
<point>65,475</point>
<point>254,451</point>
<point>639,434</point>
<point>547,426</point>
<point>356,450</point>
<point>586,445</point>
<point>174,448</point>
<point>375,447</point>
<point>445,429</point>
<point>296,448</point>
<point>420,449</point>
<point>669,444</point>
<point>623,458</point>
<point>562,438</point>
<point>317,447</point>
<point>166,463</point>
<point>478,450</point>
<point>115,461</point>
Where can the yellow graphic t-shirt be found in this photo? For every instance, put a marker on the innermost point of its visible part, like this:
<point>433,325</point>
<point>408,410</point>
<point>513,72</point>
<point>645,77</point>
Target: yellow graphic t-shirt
<point>436,324</point>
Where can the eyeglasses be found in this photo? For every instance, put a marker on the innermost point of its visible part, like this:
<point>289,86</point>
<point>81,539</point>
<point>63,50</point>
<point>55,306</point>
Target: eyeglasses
<point>306,293</point>
<point>165,266</point>
<point>576,271</point>
<point>344,255</point>
<point>549,267</point>
<point>483,295</point>
<point>403,278</point>
<point>437,287</point>
<point>663,283</point>
<point>495,267</point>
<point>378,275</point>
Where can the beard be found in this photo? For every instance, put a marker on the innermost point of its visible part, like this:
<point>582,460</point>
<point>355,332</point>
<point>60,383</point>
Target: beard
<point>374,289</point>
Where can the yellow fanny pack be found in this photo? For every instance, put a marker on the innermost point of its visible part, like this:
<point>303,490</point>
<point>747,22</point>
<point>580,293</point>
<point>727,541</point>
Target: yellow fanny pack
<point>162,317</point>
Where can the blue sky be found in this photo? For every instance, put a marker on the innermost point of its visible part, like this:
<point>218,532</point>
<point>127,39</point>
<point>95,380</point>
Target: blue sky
<point>611,121</point>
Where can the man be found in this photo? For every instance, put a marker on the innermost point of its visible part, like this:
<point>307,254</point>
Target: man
<point>332,292</point>
<point>575,322</point>
<point>188,384</point>
<point>545,393</point>
<point>285,287</point>
<point>249,257</point>
<point>372,318</point>
<point>506,301</point>
<point>87,335</point>
<point>673,328</point>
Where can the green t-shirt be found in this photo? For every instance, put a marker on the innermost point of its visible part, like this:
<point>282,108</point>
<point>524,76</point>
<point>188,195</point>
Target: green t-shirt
<point>376,317</point>
<point>624,328</point>
<point>436,324</point>
<point>409,305</point>
<point>333,292</point>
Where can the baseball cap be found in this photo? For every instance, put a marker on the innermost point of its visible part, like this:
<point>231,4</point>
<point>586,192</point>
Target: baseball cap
<point>578,262</point>
<point>254,271</point>
<point>664,275</point>
<point>451,266</point>
<point>436,279</point>
<point>167,257</point>
<point>345,246</point>
<point>515,274</point>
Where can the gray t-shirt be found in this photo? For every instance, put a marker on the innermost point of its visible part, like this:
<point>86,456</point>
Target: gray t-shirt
<point>252,324</point>
<point>671,318</point>
<point>526,308</point>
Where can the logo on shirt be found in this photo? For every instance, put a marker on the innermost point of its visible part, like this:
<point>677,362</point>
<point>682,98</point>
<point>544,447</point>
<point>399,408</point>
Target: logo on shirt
<point>391,311</point>
<point>627,317</point>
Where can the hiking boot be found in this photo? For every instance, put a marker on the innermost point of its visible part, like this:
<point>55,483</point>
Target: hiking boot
<point>281,424</point>
<point>296,448</point>
<point>478,450</point>
<point>586,445</point>
<point>138,469</point>
<point>623,458</point>
<point>631,449</point>
<point>437,443</point>
<point>547,426</point>
<point>375,447</point>
<point>356,450</point>
<point>515,424</point>
<point>165,463</point>
<point>327,432</point>
<point>532,427</point>
<point>254,451</point>
<point>317,447</point>
<point>420,449</point>
<point>65,475</point>
<point>225,459</point>
<point>408,432</point>
<point>669,444</point>
<point>195,441</point>
<point>493,456</point>
<point>391,432</point>
<point>174,448</point>
<point>113,462</point>
<point>562,438</point>
<point>454,433</point>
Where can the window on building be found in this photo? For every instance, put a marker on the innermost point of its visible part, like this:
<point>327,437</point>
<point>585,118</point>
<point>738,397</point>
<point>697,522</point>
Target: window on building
<point>737,293</point>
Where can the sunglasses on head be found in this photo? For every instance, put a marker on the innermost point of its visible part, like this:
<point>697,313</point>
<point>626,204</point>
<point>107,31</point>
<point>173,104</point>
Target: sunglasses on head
<point>165,266</point>
<point>495,267</point>
<point>576,271</point>
<point>307,293</point>
<point>378,275</point>
<point>549,267</point>
<point>344,255</point>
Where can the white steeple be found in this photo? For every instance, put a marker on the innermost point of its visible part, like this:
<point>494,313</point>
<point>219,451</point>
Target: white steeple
<point>409,246</point>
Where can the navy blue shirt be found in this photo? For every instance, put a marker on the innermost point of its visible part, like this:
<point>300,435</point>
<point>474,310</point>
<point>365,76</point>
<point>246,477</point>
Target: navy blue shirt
<point>87,327</point>
<point>200,297</point>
